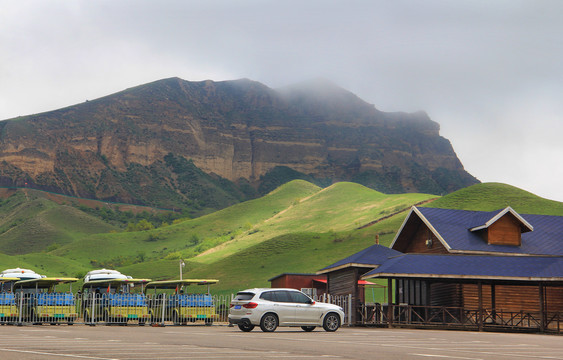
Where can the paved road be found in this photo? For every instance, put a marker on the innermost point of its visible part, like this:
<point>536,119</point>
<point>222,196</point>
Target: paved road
<point>222,342</point>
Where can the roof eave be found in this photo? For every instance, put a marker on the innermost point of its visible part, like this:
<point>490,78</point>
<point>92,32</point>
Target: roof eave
<point>464,277</point>
<point>344,266</point>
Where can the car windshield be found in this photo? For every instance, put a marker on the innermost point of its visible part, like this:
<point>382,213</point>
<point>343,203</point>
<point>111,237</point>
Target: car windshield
<point>244,296</point>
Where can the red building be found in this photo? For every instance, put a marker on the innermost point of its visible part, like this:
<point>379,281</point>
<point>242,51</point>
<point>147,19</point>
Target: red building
<point>310,284</point>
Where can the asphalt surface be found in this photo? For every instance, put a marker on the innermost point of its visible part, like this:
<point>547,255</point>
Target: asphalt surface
<point>222,342</point>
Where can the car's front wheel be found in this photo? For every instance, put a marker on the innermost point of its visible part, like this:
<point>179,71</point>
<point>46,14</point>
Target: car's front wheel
<point>331,322</point>
<point>246,327</point>
<point>308,328</point>
<point>269,322</point>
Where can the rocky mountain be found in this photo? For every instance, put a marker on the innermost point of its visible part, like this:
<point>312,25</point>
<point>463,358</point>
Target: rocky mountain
<point>206,145</point>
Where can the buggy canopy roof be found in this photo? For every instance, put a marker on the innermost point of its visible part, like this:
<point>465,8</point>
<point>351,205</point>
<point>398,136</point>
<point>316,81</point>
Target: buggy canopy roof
<point>172,284</point>
<point>45,282</point>
<point>116,282</point>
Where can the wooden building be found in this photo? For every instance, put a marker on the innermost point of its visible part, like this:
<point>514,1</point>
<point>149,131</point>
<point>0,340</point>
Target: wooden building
<point>494,262</point>
<point>498,268</point>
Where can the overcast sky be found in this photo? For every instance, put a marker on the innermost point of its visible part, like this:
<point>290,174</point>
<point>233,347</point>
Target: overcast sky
<point>490,72</point>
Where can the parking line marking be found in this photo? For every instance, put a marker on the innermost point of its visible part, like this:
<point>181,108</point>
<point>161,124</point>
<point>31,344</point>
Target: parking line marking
<point>57,354</point>
<point>446,356</point>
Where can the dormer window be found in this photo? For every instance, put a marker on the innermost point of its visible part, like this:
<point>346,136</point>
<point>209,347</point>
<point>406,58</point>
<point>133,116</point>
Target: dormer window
<point>504,228</point>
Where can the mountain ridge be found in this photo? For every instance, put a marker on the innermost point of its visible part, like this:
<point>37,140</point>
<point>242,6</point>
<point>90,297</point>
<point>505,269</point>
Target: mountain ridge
<point>231,137</point>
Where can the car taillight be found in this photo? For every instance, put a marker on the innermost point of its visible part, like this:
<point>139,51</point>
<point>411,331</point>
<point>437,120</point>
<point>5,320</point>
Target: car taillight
<point>250,305</point>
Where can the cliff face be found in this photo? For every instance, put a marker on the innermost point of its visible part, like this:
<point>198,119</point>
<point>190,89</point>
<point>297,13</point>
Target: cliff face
<point>115,147</point>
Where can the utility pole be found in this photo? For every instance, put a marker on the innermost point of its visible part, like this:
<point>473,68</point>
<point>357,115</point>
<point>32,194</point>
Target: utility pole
<point>182,264</point>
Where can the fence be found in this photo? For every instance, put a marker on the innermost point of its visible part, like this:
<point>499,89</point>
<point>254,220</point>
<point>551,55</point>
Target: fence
<point>458,317</point>
<point>344,301</point>
<point>140,309</point>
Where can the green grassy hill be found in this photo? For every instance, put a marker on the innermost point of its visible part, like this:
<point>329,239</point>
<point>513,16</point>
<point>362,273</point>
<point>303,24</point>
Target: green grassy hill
<point>495,196</point>
<point>30,223</point>
<point>298,227</point>
<point>312,232</point>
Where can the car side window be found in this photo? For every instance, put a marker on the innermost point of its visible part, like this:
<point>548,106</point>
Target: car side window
<point>298,297</point>
<point>269,295</point>
<point>282,296</point>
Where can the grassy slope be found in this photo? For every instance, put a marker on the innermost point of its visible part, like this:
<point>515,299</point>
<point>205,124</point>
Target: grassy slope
<point>494,196</point>
<point>294,252</point>
<point>313,232</point>
<point>296,228</point>
<point>308,252</point>
<point>32,222</point>
<point>339,208</point>
<point>209,230</point>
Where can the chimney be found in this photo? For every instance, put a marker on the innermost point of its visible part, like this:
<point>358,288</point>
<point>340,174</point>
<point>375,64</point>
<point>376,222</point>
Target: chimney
<point>377,239</point>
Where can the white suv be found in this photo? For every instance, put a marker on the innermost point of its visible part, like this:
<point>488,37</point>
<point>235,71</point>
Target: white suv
<point>271,308</point>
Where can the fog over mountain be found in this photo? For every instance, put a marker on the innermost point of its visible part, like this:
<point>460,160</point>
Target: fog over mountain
<point>488,71</point>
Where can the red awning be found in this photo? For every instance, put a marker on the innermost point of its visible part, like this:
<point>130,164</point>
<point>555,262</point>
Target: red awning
<point>360,282</point>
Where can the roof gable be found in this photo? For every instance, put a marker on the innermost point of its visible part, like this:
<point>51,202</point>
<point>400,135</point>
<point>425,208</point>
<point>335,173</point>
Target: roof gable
<point>414,215</point>
<point>525,226</point>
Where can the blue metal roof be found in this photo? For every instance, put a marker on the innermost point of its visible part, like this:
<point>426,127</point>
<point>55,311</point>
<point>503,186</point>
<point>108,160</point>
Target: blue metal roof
<point>372,256</point>
<point>523,268</point>
<point>453,226</point>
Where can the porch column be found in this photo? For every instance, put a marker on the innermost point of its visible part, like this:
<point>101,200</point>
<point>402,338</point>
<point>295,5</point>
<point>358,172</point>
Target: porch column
<point>390,303</point>
<point>542,307</point>
<point>494,303</point>
<point>480,312</point>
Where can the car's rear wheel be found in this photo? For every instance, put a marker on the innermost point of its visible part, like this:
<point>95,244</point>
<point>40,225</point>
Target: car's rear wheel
<point>269,322</point>
<point>308,328</point>
<point>331,322</point>
<point>246,327</point>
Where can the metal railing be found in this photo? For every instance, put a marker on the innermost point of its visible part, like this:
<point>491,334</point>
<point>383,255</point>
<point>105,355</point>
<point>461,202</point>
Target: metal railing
<point>458,317</point>
<point>121,309</point>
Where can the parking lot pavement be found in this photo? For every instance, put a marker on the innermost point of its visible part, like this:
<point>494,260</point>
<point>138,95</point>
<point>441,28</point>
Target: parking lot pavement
<point>222,342</point>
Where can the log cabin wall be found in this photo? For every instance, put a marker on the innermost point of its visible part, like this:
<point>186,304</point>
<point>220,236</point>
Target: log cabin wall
<point>344,282</point>
<point>554,298</point>
<point>513,298</point>
<point>470,296</point>
<point>446,294</point>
